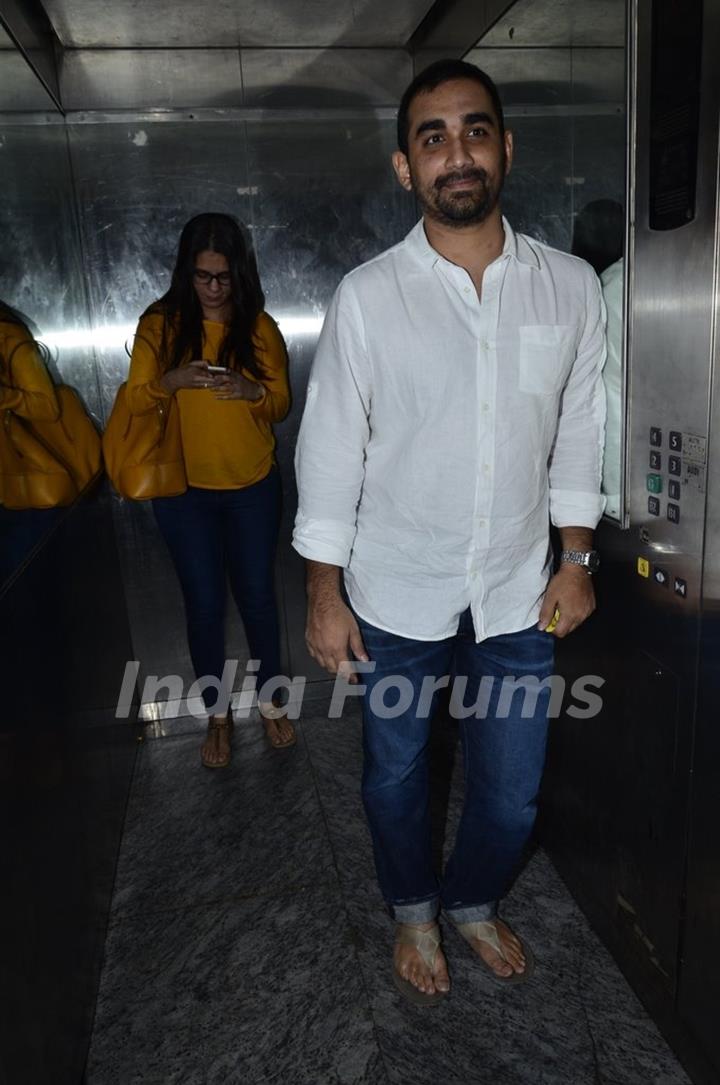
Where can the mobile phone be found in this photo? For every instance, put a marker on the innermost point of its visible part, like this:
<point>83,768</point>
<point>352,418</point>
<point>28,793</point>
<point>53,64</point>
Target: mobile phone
<point>217,369</point>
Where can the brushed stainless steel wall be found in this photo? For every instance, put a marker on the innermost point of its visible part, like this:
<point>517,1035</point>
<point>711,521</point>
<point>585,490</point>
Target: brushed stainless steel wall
<point>318,197</point>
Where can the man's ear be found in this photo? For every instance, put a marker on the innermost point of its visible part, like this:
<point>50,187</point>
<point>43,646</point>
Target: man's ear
<point>402,170</point>
<point>508,152</point>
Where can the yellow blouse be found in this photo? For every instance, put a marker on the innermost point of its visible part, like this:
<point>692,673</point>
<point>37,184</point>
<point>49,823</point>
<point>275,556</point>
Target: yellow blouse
<point>227,444</point>
<point>25,384</point>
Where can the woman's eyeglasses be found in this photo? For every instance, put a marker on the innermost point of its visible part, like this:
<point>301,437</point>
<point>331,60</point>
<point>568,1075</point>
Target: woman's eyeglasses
<point>206,277</point>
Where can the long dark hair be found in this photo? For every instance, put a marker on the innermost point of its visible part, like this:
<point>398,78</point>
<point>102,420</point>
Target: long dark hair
<point>182,335</point>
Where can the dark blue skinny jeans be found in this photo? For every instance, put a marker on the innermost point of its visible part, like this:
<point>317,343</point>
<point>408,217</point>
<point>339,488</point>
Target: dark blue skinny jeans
<point>212,534</point>
<point>503,755</point>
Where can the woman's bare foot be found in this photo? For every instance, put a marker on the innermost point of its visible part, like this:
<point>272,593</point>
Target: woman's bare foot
<point>410,965</point>
<point>280,732</point>
<point>215,750</point>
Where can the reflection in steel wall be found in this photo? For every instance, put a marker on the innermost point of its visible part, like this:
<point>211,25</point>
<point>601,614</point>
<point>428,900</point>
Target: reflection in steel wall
<point>318,196</point>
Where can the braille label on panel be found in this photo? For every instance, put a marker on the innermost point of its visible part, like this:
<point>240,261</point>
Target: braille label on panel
<point>655,460</point>
<point>680,587</point>
<point>694,477</point>
<point>673,513</point>
<point>674,489</point>
<point>675,441</point>
<point>694,448</point>
<point>674,465</point>
<point>660,576</point>
<point>654,506</point>
<point>655,436</point>
<point>643,567</point>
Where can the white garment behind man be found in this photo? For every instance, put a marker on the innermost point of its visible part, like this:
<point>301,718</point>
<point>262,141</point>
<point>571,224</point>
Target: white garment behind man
<point>612,280</point>
<point>441,430</point>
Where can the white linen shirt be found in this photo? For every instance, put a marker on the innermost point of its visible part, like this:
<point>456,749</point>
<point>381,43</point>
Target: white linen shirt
<point>442,432</point>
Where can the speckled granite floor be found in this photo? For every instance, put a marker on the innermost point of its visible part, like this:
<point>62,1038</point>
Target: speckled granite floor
<point>248,944</point>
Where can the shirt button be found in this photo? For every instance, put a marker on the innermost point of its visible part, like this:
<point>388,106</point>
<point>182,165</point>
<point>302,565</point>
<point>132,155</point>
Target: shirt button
<point>486,468</point>
<point>466,290</point>
<point>486,406</point>
<point>481,523</point>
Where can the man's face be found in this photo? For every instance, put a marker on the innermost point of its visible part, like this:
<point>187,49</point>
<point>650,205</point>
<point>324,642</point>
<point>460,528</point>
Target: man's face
<point>457,160</point>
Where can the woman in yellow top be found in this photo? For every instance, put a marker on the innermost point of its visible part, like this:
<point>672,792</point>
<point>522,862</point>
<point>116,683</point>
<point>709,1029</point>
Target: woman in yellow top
<point>228,519</point>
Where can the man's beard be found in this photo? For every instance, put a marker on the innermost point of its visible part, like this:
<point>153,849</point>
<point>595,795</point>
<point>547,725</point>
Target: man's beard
<point>461,207</point>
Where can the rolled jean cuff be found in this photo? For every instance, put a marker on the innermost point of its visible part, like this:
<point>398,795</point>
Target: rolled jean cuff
<point>421,911</point>
<point>474,913</point>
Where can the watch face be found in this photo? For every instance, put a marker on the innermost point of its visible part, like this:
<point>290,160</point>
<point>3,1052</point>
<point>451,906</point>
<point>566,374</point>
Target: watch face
<point>593,561</point>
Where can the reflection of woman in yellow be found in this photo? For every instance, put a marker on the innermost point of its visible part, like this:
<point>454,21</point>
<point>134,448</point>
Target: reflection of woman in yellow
<point>27,390</point>
<point>226,523</point>
<point>25,384</point>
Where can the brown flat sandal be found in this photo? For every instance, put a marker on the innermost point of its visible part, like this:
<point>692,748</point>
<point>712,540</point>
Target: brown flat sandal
<point>217,728</point>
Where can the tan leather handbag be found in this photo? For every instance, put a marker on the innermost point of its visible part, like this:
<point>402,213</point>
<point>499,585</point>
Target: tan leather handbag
<point>143,452</point>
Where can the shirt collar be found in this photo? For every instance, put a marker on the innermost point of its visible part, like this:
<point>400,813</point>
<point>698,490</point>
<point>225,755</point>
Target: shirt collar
<point>516,246</point>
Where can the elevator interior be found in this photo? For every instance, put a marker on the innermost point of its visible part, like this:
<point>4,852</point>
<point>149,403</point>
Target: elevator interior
<point>116,124</point>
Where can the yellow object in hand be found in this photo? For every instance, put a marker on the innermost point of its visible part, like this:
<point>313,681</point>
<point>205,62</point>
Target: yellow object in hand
<point>553,622</point>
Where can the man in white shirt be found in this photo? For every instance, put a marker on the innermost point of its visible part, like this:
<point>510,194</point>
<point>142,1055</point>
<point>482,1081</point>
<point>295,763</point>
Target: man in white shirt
<point>455,406</point>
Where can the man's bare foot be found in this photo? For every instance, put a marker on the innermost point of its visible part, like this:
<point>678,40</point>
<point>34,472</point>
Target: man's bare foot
<point>215,750</point>
<point>409,964</point>
<point>512,957</point>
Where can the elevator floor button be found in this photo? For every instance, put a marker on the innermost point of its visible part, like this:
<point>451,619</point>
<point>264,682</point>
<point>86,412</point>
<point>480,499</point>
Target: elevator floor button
<point>660,576</point>
<point>675,441</point>
<point>655,436</point>
<point>654,484</point>
<point>655,460</point>
<point>674,489</point>
<point>674,465</point>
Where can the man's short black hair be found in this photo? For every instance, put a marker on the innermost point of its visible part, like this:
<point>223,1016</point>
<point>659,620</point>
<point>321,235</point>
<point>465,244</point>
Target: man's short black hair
<point>443,71</point>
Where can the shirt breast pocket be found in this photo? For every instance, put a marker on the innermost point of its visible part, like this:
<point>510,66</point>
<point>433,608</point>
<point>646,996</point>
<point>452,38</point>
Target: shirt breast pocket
<point>546,353</point>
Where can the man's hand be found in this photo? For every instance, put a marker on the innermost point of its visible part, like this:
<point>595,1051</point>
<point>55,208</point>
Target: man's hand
<point>332,635</point>
<point>571,593</point>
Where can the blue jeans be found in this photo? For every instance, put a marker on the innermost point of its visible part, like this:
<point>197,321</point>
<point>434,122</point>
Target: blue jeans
<point>503,753</point>
<point>213,532</point>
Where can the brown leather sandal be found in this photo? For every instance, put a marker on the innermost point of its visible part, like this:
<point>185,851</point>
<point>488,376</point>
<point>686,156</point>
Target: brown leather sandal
<point>217,727</point>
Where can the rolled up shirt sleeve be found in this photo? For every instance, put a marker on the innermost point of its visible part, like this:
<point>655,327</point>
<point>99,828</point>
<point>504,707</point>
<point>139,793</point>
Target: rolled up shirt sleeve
<point>575,468</point>
<point>330,453</point>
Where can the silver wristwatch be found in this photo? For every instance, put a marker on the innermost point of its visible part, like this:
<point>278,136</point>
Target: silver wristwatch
<point>589,559</point>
